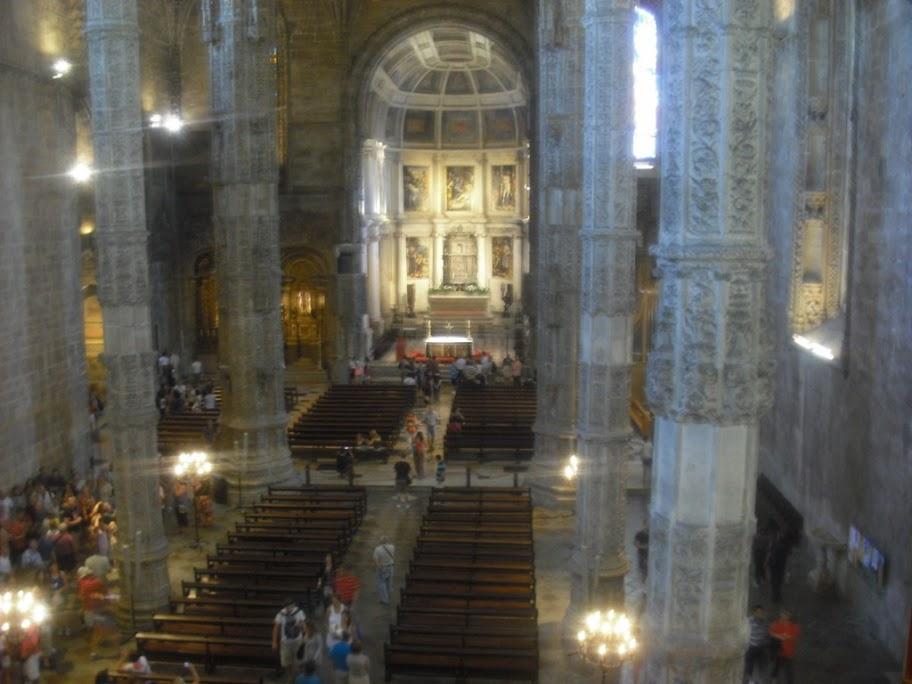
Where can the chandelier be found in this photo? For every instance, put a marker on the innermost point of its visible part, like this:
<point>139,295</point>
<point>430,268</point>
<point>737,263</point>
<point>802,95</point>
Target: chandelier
<point>607,640</point>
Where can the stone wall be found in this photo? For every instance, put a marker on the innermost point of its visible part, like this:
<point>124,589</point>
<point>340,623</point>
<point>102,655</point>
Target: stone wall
<point>838,442</point>
<point>43,396</point>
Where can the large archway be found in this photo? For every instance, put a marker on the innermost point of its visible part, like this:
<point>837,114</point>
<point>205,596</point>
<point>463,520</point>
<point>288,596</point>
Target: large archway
<point>444,195</point>
<point>305,306</point>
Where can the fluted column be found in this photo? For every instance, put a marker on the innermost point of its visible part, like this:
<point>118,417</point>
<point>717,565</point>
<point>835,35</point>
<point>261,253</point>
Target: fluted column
<point>241,38</point>
<point>607,304</point>
<point>112,36</point>
<point>709,375</point>
<point>557,233</point>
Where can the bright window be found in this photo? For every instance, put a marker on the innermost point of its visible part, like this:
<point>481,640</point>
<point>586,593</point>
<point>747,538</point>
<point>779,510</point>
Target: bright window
<point>645,85</point>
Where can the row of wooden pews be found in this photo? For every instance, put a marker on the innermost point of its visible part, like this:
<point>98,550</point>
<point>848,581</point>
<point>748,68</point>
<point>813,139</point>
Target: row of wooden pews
<point>468,606</point>
<point>225,614</point>
<point>498,423</point>
<point>343,411</point>
<point>186,431</point>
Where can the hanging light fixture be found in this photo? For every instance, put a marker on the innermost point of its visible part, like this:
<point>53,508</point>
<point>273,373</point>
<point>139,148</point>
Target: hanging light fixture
<point>571,470</point>
<point>606,640</point>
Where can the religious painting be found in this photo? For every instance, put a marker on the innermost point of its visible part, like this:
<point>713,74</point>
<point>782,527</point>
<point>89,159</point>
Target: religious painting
<point>460,128</point>
<point>503,187</point>
<point>416,184</point>
<point>419,126</point>
<point>499,127</point>
<point>416,255</point>
<point>460,187</point>
<point>502,257</point>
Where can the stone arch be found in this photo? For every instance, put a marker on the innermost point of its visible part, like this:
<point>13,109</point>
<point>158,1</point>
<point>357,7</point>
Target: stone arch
<point>306,304</point>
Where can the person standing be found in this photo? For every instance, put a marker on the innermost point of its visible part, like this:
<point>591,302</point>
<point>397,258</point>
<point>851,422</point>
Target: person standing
<point>347,585</point>
<point>516,371</point>
<point>431,420</point>
<point>403,470</point>
<point>641,542</point>
<point>196,370</point>
<point>288,635</point>
<point>440,470</point>
<point>786,633</point>
<point>385,561</point>
<point>338,654</point>
<point>758,643</point>
<point>779,552</point>
<point>760,549</point>
<point>175,364</point>
<point>419,451</point>
<point>358,665</point>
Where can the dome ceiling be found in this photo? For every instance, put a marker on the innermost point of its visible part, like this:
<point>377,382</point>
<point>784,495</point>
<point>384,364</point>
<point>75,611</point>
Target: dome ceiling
<point>446,68</point>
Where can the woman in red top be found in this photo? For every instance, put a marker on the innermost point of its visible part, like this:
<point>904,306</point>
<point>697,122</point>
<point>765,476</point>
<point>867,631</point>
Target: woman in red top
<point>786,633</point>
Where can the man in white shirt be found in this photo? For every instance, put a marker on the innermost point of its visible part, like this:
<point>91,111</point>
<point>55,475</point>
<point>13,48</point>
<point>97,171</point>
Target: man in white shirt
<point>431,418</point>
<point>196,368</point>
<point>288,635</point>
<point>209,401</point>
<point>385,560</point>
<point>175,363</point>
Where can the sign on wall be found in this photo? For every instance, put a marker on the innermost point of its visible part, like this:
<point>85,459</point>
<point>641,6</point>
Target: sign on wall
<point>867,557</point>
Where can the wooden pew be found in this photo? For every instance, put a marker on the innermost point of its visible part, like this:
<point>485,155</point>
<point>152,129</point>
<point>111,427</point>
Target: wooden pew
<point>211,650</point>
<point>459,662</point>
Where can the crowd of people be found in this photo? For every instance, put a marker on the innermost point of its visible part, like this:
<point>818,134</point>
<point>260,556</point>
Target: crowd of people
<point>56,534</point>
<point>427,375</point>
<point>178,393</point>
<point>326,646</point>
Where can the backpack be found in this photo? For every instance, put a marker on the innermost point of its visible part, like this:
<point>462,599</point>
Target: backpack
<point>291,629</point>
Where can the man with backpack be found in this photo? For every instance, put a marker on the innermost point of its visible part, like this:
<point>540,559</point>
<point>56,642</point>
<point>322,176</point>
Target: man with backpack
<point>288,635</point>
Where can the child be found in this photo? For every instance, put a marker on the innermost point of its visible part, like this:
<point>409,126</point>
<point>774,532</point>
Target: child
<point>441,469</point>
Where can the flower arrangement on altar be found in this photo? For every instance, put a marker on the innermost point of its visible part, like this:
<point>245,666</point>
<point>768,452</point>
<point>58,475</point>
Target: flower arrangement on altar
<point>464,288</point>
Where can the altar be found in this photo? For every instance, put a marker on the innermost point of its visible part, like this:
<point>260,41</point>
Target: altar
<point>458,305</point>
<point>453,346</point>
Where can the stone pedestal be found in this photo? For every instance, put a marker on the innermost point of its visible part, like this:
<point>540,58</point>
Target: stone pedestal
<point>709,375</point>
<point>123,290</point>
<point>241,38</point>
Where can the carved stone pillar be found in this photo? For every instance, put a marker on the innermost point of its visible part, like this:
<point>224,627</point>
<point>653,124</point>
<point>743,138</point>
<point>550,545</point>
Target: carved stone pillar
<point>607,305</point>
<point>557,233</point>
<point>373,273</point>
<point>709,375</point>
<point>112,36</point>
<point>481,271</point>
<point>438,253</point>
<point>241,38</point>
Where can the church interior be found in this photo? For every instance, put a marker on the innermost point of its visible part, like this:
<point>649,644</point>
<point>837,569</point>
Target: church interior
<point>480,340</point>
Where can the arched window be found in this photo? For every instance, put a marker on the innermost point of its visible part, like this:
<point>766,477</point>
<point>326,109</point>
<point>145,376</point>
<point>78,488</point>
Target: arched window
<point>645,87</point>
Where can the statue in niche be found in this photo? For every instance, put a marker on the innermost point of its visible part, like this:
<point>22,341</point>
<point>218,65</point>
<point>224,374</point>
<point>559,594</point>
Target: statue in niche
<point>502,257</point>
<point>503,187</point>
<point>460,260</point>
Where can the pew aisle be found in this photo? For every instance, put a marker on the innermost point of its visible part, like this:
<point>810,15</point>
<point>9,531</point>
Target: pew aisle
<point>223,617</point>
<point>468,606</point>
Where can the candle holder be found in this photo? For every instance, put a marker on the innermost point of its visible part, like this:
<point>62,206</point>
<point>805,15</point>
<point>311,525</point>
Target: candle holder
<point>606,640</point>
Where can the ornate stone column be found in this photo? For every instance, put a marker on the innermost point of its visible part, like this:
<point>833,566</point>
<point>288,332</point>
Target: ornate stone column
<point>607,305</point>
<point>241,38</point>
<point>481,241</point>
<point>112,36</point>
<point>709,375</point>
<point>438,253</point>
<point>559,212</point>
